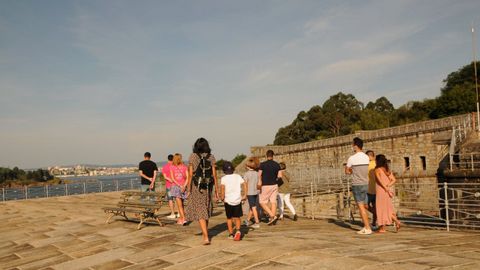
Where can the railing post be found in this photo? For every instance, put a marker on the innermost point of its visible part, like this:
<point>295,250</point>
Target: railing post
<point>117,184</point>
<point>451,161</point>
<point>84,188</point>
<point>101,186</point>
<point>66,190</point>
<point>350,216</point>
<point>26,192</point>
<point>447,214</point>
<point>311,197</point>
<point>46,187</point>
<point>131,183</point>
<point>3,194</point>
<point>471,158</point>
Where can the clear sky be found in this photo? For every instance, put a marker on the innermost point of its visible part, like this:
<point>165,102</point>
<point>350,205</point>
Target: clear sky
<point>104,81</point>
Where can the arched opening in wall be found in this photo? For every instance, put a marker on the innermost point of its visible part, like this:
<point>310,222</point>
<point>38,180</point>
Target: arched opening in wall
<point>406,163</point>
<point>423,159</point>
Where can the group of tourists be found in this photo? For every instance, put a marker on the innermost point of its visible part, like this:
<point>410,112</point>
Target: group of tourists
<point>262,186</point>
<point>372,182</point>
<point>268,191</point>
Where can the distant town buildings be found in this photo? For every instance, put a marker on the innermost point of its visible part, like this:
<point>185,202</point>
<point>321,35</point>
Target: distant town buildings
<point>80,170</point>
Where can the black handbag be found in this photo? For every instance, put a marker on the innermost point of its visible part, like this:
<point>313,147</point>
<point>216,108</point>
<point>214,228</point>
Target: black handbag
<point>279,181</point>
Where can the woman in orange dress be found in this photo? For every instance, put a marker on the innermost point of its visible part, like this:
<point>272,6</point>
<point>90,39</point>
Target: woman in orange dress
<point>384,201</point>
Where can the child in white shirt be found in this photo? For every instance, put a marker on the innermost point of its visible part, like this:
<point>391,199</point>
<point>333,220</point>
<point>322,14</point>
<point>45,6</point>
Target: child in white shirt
<point>231,193</point>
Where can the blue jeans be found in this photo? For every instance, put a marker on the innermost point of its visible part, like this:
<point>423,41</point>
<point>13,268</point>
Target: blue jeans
<point>360,194</point>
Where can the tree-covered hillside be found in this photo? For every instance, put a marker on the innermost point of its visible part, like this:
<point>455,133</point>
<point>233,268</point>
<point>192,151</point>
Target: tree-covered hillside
<point>11,176</point>
<point>342,113</point>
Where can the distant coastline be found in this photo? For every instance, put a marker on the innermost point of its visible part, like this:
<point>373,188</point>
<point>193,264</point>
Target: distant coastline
<point>87,178</point>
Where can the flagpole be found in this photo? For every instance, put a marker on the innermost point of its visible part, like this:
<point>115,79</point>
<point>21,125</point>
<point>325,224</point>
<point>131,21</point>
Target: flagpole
<point>474,46</point>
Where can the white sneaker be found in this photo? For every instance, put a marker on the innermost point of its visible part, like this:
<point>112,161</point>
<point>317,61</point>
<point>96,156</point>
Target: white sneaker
<point>255,226</point>
<point>246,223</point>
<point>177,215</point>
<point>172,216</point>
<point>364,231</point>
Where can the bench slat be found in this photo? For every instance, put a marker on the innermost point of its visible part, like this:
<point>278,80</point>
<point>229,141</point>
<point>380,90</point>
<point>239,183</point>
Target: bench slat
<point>139,205</point>
<point>143,193</point>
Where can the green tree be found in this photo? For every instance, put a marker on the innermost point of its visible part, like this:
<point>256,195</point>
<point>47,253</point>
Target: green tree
<point>381,105</point>
<point>459,99</point>
<point>16,174</point>
<point>341,112</point>
<point>371,119</point>
<point>458,94</point>
<point>463,75</point>
<point>339,115</point>
<point>413,111</point>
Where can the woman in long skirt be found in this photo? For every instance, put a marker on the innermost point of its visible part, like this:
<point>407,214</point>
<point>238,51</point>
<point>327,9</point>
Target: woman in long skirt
<point>384,201</point>
<point>199,206</point>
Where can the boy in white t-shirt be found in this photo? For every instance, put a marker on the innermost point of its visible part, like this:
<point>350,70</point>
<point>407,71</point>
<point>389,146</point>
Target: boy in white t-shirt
<point>231,193</point>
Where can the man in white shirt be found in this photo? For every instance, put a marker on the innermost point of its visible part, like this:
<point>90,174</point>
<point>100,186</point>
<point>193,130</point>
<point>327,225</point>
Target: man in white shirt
<point>357,166</point>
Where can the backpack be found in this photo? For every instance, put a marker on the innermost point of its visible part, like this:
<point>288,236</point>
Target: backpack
<point>203,175</point>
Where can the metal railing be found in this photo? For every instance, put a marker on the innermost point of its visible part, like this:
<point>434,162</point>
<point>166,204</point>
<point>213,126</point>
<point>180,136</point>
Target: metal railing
<point>23,193</point>
<point>326,193</point>
<point>465,161</point>
<point>459,135</point>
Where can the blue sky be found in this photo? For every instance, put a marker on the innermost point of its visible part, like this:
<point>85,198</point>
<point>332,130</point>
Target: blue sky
<point>104,81</point>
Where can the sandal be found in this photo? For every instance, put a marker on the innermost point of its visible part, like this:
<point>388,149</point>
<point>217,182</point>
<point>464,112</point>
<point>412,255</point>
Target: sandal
<point>206,242</point>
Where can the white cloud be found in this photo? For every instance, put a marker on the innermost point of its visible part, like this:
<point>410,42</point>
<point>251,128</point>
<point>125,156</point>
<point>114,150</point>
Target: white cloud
<point>360,70</point>
<point>160,75</point>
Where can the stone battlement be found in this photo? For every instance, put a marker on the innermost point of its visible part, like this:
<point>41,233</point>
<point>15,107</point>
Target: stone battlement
<point>430,126</point>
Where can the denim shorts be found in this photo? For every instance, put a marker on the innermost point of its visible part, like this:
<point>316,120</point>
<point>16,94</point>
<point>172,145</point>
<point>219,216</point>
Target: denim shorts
<point>252,201</point>
<point>360,193</point>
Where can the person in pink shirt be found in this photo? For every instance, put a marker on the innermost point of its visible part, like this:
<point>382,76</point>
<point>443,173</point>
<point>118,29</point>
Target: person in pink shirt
<point>179,175</point>
<point>168,186</point>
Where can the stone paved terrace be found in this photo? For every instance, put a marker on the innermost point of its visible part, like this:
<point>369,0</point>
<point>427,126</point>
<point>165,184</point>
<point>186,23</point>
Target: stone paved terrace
<point>69,233</point>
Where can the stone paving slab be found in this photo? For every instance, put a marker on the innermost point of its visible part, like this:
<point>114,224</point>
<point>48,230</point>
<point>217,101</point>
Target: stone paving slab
<point>70,233</point>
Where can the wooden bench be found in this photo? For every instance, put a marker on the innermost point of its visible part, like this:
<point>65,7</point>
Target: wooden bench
<point>144,205</point>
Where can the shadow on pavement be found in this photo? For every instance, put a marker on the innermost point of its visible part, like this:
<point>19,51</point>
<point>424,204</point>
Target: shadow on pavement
<point>346,225</point>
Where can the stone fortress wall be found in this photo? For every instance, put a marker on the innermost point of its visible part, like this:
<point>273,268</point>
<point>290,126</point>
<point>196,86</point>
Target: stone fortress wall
<point>415,152</point>
<point>410,148</point>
